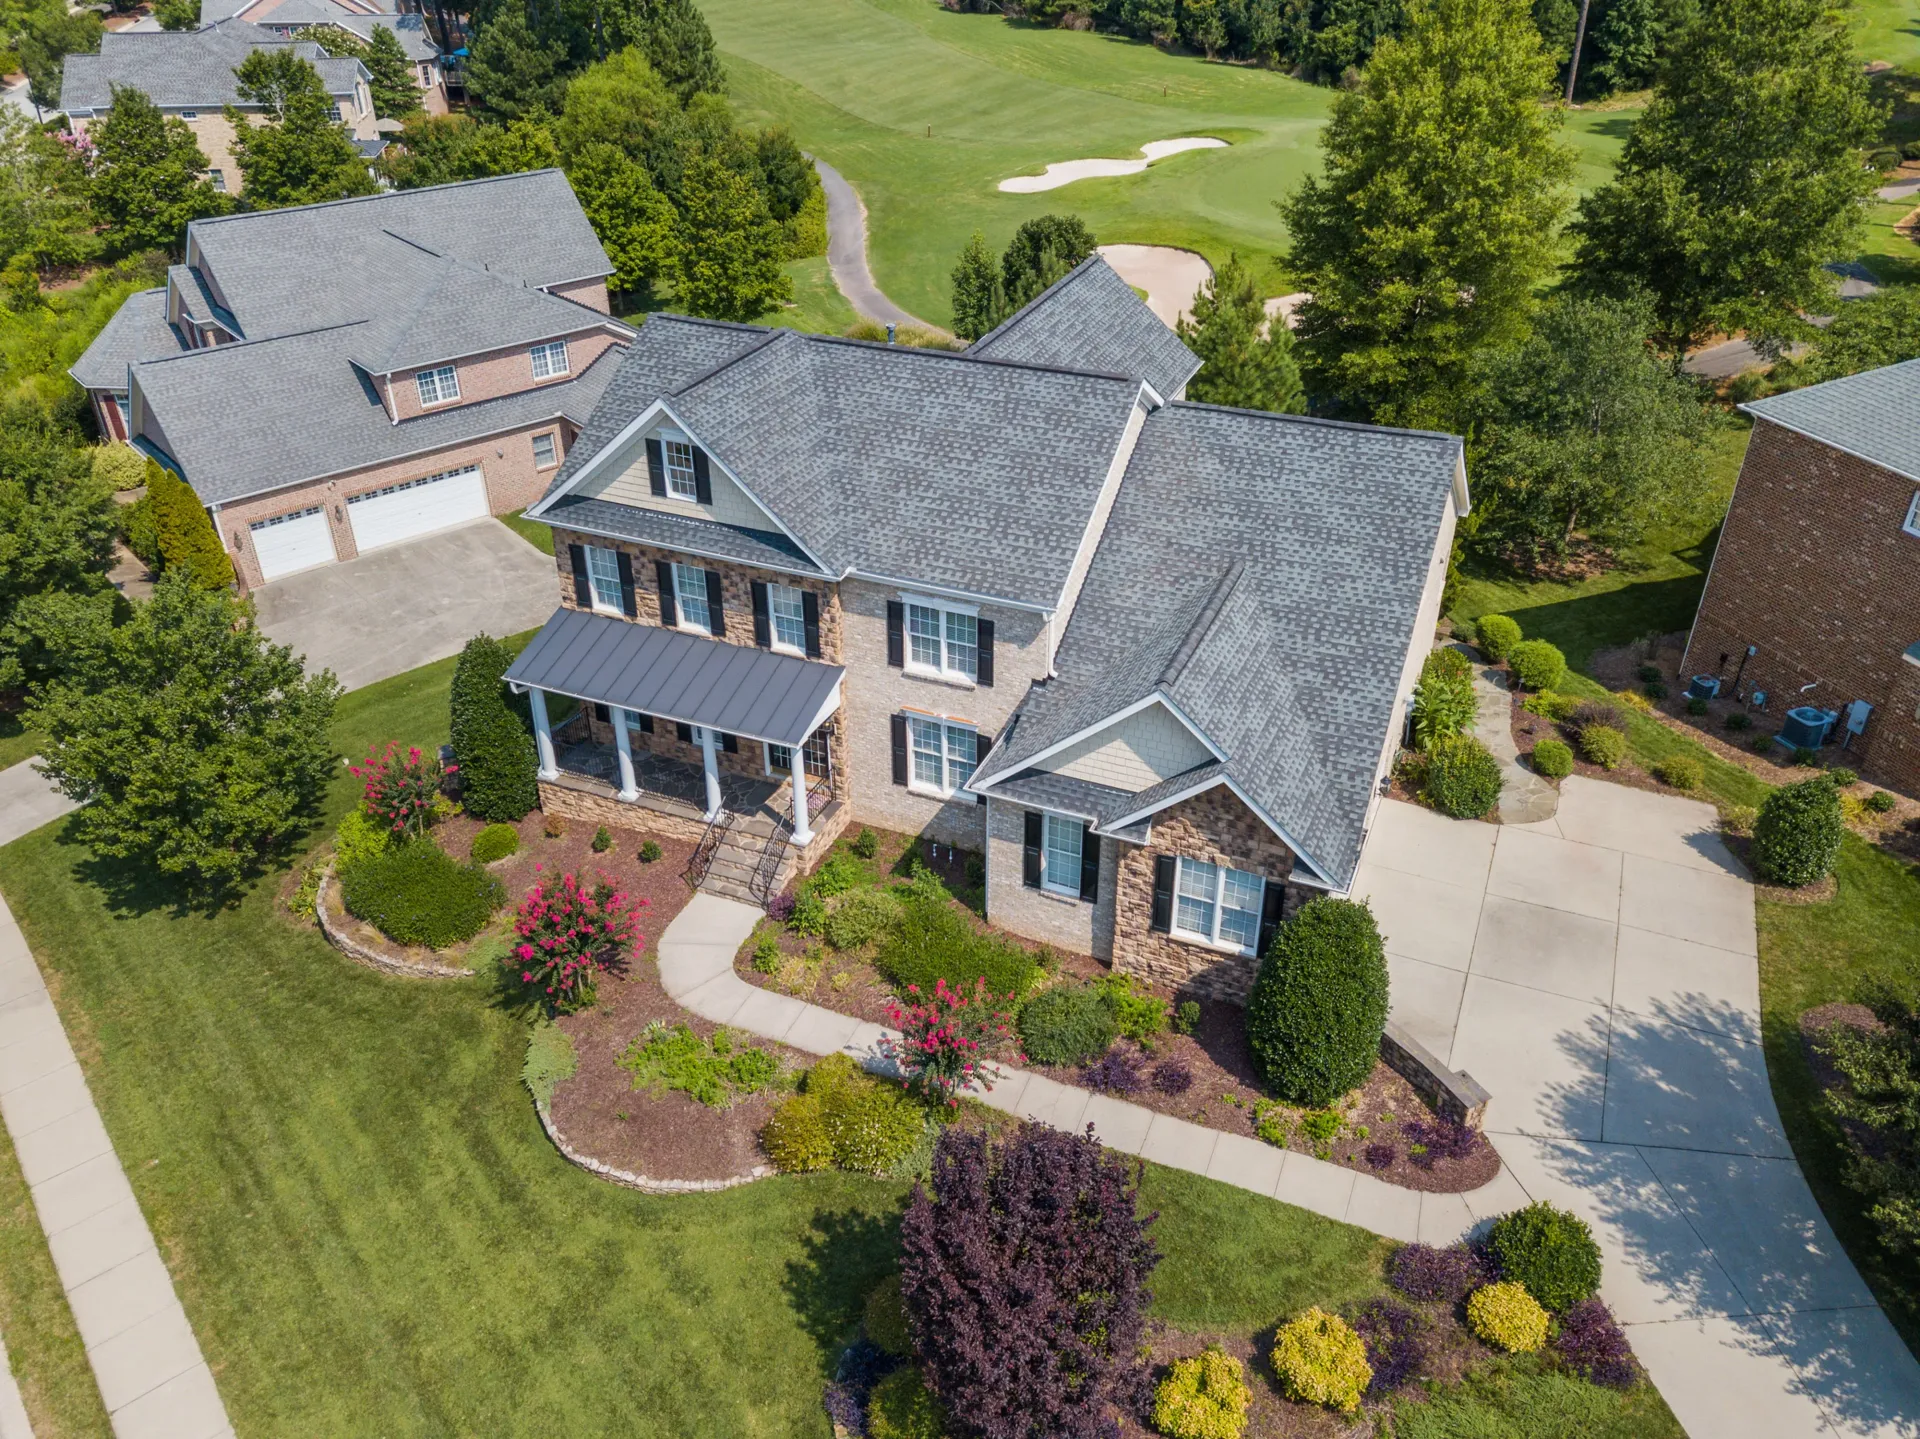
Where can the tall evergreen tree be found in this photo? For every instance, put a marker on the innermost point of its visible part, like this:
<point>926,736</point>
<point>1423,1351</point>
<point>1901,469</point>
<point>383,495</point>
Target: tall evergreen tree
<point>979,299</point>
<point>395,95</point>
<point>149,175</point>
<point>680,47</point>
<point>730,248</point>
<point>1042,251</point>
<point>1435,216</point>
<point>513,71</point>
<point>491,737</point>
<point>1741,180</point>
<point>301,155</point>
<point>1244,360</point>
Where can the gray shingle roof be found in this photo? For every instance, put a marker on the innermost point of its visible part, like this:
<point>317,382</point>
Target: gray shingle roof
<point>1264,572</point>
<point>683,533</point>
<point>1063,794</point>
<point>137,331</point>
<point>246,418</point>
<point>735,689</point>
<point>1875,415</point>
<point>1091,320</point>
<point>461,310</point>
<point>410,30</point>
<point>185,68</point>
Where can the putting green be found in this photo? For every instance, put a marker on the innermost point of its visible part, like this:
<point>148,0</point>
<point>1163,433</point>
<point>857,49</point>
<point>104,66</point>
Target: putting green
<point>926,111</point>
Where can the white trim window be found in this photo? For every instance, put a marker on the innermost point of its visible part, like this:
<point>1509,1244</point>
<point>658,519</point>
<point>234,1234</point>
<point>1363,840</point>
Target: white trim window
<point>942,641</point>
<point>1912,523</point>
<point>603,572</point>
<point>1217,906</point>
<point>218,179</point>
<point>690,598</point>
<point>787,612</point>
<point>546,451</point>
<point>439,386</point>
<point>1061,840</point>
<point>192,115</point>
<point>549,360</point>
<point>682,482</point>
<point>333,113</point>
<point>942,756</point>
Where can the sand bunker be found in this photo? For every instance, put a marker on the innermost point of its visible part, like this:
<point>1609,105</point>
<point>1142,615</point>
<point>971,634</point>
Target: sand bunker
<point>1170,277</point>
<point>1065,172</point>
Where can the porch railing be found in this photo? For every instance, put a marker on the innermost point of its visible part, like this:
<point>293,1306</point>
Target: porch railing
<point>711,839</point>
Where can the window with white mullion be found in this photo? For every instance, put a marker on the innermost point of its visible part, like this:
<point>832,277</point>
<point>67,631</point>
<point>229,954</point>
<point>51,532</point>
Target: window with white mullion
<point>1217,905</point>
<point>788,612</point>
<point>923,636</point>
<point>945,642</point>
<point>603,569</point>
<point>690,590</point>
<point>550,360</point>
<point>439,386</point>
<point>1060,871</point>
<point>682,482</point>
<point>943,755</point>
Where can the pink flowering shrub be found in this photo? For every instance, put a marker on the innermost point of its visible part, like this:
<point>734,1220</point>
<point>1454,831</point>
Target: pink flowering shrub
<point>568,934</point>
<point>400,791</point>
<point>944,1040</point>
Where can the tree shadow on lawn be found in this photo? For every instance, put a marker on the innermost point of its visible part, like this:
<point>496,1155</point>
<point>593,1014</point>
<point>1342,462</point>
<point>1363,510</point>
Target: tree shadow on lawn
<point>134,887</point>
<point>1606,618</point>
<point>843,1258</point>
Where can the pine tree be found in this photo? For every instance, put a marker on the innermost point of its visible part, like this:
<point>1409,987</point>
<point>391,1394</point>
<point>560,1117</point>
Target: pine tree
<point>979,300</point>
<point>149,175</point>
<point>301,155</point>
<point>492,744</point>
<point>512,71</point>
<point>730,248</point>
<point>1245,361</point>
<point>395,95</point>
<point>680,47</point>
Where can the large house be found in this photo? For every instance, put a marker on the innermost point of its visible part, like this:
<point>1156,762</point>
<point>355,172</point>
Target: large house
<point>1813,599</point>
<point>1150,658</point>
<point>333,378</point>
<point>310,19</point>
<point>189,75</point>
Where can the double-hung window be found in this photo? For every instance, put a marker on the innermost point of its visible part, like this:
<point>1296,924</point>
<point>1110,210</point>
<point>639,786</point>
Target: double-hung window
<point>1217,905</point>
<point>690,598</point>
<point>943,756</point>
<point>1060,857</point>
<point>550,360</point>
<point>943,642</point>
<point>1912,523</point>
<point>333,113</point>
<point>682,484</point>
<point>787,611</point>
<point>545,454</point>
<point>438,387</point>
<point>603,569</point>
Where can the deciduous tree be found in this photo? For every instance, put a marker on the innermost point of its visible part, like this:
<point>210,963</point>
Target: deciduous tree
<point>149,175</point>
<point>1244,360</point>
<point>44,215</point>
<point>979,299</point>
<point>301,155</point>
<point>729,247</point>
<point>1041,252</point>
<point>634,221</point>
<point>1880,329</point>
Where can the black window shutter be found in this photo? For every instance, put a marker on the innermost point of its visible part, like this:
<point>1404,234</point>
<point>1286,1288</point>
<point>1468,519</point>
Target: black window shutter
<point>899,749</point>
<point>582,586</point>
<point>629,601</point>
<point>762,620</point>
<point>702,479</point>
<point>981,744</point>
<point>685,731</point>
<point>1030,860</point>
<point>716,611</point>
<point>1089,864</point>
<point>810,612</point>
<point>646,724</point>
<point>1270,903</point>
<point>983,674</point>
<point>730,743</point>
<point>669,611</point>
<point>656,469</point>
<point>1161,921</point>
<point>603,714</point>
<point>896,634</point>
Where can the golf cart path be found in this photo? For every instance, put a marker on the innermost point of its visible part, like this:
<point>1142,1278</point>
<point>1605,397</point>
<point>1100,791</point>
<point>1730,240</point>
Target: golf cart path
<point>847,251</point>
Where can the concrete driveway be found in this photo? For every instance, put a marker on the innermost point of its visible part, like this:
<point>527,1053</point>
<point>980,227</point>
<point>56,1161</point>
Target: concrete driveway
<point>1597,972</point>
<point>408,605</point>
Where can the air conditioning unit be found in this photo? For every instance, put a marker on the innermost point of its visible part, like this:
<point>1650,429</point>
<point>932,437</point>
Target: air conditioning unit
<point>1806,726</point>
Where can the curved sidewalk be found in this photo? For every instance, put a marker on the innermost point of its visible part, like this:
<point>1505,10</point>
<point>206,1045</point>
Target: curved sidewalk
<point>847,252</point>
<point>696,968</point>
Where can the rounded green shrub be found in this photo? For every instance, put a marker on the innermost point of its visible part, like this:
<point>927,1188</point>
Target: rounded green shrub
<point>1205,1397</point>
<point>1498,635</point>
<point>1681,772</point>
<point>496,841</point>
<point>415,894</point>
<point>1603,745</point>
<point>1068,1024</point>
<point>1548,1250</point>
<point>492,736</point>
<point>1552,758</point>
<point>1842,777</point>
<point>1507,1317</point>
<point>1319,1005</point>
<point>1320,1360</point>
<point>902,1408</point>
<point>1463,779</point>
<point>1537,664</point>
<point>860,916</point>
<point>795,1136</point>
<point>1446,663</point>
<point>843,1119</point>
<point>359,838</point>
<point>649,852</point>
<point>1881,801</point>
<point>865,844</point>
<point>1797,837</point>
<point>886,1318</point>
<point>934,940</point>
<point>1738,720</point>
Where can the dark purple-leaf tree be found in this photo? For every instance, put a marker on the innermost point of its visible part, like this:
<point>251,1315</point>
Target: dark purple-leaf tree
<point>1023,1274</point>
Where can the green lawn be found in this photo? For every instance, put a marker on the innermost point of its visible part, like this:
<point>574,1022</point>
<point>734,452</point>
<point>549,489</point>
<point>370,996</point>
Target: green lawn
<point>1887,30</point>
<point>16,741</point>
<point>532,531</point>
<point>818,306</point>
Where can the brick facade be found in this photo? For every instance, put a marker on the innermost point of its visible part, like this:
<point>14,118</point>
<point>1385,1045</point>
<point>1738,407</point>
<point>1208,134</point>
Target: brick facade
<point>493,374</point>
<point>1816,572</point>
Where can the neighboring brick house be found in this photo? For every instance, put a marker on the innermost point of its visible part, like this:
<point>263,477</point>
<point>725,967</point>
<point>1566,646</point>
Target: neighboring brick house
<point>1814,593</point>
<point>189,75</point>
<point>335,378</point>
<point>310,20</point>
<point>1150,659</point>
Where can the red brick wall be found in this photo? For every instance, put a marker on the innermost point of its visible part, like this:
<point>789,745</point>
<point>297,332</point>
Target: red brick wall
<point>489,376</point>
<point>591,293</point>
<point>1815,571</point>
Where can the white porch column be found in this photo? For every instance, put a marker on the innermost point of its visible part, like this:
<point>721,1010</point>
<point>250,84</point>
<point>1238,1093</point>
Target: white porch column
<point>543,735</point>
<point>802,822</point>
<point>712,766</point>
<point>623,748</point>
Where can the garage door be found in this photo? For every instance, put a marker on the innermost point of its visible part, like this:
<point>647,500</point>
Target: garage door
<point>419,507</point>
<point>298,541</point>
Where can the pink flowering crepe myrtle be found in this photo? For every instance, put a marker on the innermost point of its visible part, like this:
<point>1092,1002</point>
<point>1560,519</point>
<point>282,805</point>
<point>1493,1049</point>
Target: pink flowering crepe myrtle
<point>400,793</point>
<point>568,935</point>
<point>943,1043</point>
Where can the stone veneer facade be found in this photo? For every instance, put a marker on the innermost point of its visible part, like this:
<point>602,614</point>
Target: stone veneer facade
<point>1815,570</point>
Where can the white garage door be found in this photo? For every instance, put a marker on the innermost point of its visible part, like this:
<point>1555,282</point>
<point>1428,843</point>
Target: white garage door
<point>298,541</point>
<point>419,507</point>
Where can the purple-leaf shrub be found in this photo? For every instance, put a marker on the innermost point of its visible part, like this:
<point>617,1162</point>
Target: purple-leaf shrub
<point>1024,1275</point>
<point>1592,1344</point>
<point>1442,1138</point>
<point>862,1365</point>
<point>780,907</point>
<point>1115,1072</point>
<point>1422,1272</point>
<point>1380,1155</point>
<point>1396,1344</point>
<point>1172,1077</point>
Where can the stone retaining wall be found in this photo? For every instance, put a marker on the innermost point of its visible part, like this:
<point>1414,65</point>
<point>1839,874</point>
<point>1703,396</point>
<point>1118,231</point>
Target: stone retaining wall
<point>366,954</point>
<point>1450,1094</point>
<point>629,1180</point>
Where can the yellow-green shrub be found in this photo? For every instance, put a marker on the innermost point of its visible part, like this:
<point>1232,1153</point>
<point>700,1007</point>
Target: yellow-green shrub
<point>901,1408</point>
<point>1320,1360</point>
<point>795,1138</point>
<point>1203,1398</point>
<point>843,1119</point>
<point>1506,1316</point>
<point>1603,745</point>
<point>360,837</point>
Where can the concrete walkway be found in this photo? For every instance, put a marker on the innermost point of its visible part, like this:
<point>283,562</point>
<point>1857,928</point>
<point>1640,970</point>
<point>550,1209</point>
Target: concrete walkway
<point>27,801</point>
<point>13,1413</point>
<point>152,1377</point>
<point>1598,973</point>
<point>1525,797</point>
<point>696,968</point>
<point>847,252</point>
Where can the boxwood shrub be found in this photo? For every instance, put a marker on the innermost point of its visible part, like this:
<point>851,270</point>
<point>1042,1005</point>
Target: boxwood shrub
<point>1463,779</point>
<point>1681,772</point>
<point>492,736</point>
<point>1549,1251</point>
<point>1319,1006</point>
<point>1068,1024</point>
<point>1797,836</point>
<point>496,841</point>
<point>932,940</point>
<point>1553,759</point>
<point>1498,635</point>
<point>1537,664</point>
<point>415,894</point>
<point>1603,745</point>
<point>902,1408</point>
